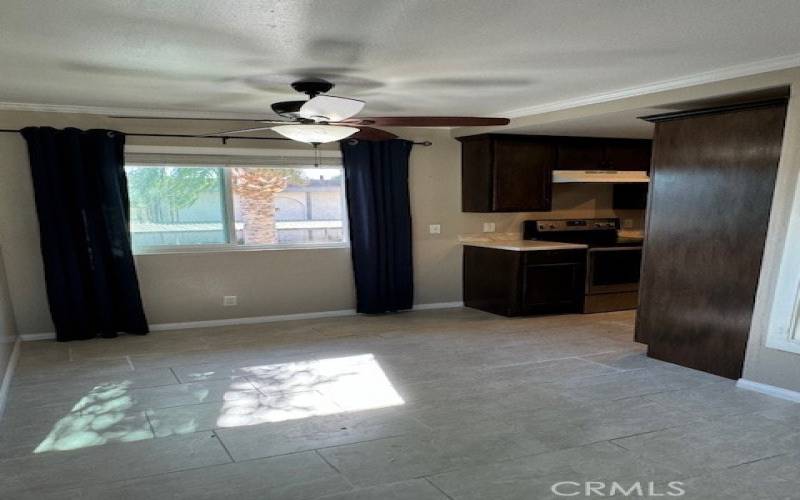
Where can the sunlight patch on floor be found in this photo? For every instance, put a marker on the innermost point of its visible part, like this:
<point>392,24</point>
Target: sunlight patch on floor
<point>98,418</point>
<point>305,389</point>
<point>267,394</point>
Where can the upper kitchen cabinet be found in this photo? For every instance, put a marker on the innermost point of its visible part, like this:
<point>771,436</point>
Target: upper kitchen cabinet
<point>590,153</point>
<point>628,154</point>
<point>580,153</point>
<point>506,173</point>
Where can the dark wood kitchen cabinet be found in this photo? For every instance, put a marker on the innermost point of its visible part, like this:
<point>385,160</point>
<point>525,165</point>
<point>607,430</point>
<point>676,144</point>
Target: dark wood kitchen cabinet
<point>514,173</point>
<point>514,283</point>
<point>579,153</point>
<point>711,190</point>
<point>630,196</point>
<point>594,153</point>
<point>506,173</point>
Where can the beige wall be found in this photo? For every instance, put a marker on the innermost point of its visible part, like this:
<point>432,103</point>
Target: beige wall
<point>8,334</point>
<point>189,287</point>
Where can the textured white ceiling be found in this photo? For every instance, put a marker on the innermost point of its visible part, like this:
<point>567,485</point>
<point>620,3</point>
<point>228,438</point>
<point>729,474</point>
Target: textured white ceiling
<point>402,56</point>
<point>620,124</point>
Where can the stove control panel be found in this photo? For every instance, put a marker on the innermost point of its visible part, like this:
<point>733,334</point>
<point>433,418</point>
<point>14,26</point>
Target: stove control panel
<point>544,226</point>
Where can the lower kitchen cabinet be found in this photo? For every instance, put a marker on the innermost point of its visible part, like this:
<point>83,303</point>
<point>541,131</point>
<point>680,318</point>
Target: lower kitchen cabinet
<point>515,283</point>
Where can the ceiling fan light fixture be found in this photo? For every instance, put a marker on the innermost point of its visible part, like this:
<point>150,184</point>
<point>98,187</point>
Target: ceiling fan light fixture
<point>315,134</point>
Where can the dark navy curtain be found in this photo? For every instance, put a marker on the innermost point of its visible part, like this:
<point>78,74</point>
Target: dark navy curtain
<point>376,176</point>
<point>81,197</point>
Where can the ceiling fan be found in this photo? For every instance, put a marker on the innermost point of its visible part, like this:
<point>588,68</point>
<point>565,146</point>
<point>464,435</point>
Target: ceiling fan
<point>325,118</point>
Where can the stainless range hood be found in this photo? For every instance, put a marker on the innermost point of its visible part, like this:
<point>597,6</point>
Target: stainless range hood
<point>596,176</point>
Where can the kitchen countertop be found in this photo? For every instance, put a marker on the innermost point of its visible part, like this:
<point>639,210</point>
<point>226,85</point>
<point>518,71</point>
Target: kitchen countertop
<point>524,245</point>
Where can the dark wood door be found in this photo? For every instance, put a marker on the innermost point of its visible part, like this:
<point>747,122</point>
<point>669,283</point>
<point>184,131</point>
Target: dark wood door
<point>580,153</point>
<point>523,175</point>
<point>711,188</point>
<point>627,154</point>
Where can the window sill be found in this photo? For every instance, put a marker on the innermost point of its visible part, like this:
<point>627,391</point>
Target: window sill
<point>162,250</point>
<point>783,344</point>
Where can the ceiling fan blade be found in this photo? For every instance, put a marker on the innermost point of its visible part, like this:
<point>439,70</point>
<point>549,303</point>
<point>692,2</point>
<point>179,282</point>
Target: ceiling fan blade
<point>329,108</point>
<point>429,121</point>
<point>240,131</point>
<point>187,118</point>
<point>373,134</point>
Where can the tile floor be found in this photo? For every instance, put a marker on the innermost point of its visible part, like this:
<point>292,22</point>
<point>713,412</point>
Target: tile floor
<point>452,404</point>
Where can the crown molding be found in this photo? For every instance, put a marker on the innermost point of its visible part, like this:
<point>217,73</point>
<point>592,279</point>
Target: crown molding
<point>713,76</point>
<point>121,111</point>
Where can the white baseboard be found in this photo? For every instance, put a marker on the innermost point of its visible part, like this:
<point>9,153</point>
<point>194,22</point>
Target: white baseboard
<point>29,337</point>
<point>160,327</point>
<point>769,390</point>
<point>438,305</point>
<point>9,373</point>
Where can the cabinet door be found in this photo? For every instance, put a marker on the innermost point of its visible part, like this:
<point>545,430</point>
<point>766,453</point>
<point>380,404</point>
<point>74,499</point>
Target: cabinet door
<point>550,285</point>
<point>630,196</point>
<point>627,155</point>
<point>476,175</point>
<point>491,280</point>
<point>523,175</point>
<point>580,153</point>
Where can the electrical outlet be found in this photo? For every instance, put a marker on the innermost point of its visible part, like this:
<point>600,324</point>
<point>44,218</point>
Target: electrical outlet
<point>488,227</point>
<point>229,300</point>
<point>627,223</point>
<point>435,229</point>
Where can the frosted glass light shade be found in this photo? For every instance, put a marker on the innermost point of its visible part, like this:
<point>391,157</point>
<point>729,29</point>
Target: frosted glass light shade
<point>314,134</point>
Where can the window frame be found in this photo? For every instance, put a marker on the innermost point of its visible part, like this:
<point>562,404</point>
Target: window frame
<point>783,316</point>
<point>228,208</point>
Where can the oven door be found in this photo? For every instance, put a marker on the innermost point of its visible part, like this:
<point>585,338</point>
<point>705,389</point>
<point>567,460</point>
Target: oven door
<point>613,270</point>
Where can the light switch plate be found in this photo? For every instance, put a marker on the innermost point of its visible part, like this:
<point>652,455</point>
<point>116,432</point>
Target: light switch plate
<point>229,300</point>
<point>435,229</point>
<point>488,227</point>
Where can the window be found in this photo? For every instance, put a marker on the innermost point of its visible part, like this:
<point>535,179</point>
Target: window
<point>212,206</point>
<point>174,206</point>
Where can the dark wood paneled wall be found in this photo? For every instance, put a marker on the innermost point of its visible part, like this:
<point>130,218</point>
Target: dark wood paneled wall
<point>712,180</point>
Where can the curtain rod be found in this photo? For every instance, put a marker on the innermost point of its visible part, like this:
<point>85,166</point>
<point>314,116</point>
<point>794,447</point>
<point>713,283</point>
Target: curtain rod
<point>223,138</point>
